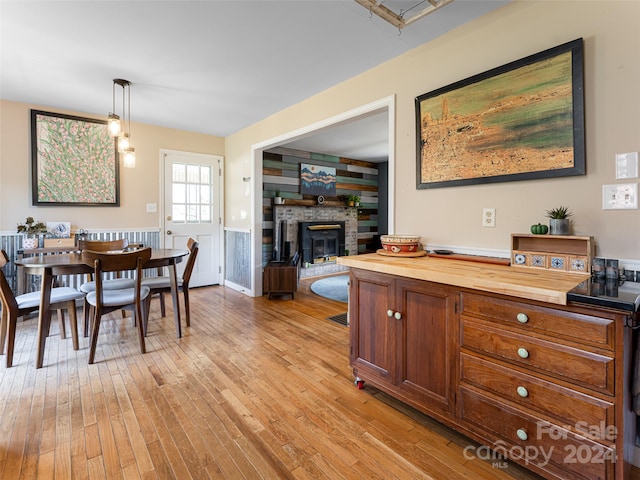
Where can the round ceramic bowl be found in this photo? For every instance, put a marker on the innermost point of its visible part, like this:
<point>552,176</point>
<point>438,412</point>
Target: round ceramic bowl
<point>399,238</point>
<point>400,243</point>
<point>400,247</point>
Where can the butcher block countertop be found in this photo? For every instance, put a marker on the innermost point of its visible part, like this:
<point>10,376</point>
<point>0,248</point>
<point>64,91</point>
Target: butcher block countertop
<point>532,284</point>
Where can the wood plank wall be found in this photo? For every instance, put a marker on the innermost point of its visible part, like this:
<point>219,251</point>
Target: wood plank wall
<point>281,171</point>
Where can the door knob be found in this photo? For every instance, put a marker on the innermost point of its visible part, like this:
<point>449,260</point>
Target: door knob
<point>169,232</point>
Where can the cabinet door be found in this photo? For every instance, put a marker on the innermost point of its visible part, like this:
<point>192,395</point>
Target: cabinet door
<point>426,343</point>
<point>373,346</point>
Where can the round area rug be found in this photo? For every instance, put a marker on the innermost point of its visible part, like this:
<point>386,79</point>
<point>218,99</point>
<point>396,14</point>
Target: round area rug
<point>335,288</point>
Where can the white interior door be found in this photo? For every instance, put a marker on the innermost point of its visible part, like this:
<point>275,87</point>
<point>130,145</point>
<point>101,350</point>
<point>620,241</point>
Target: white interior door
<point>192,206</point>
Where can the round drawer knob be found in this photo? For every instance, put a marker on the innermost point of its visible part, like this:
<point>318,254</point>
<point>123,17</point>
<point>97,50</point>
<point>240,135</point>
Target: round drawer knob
<point>389,313</point>
<point>522,317</point>
<point>522,435</point>
<point>523,353</point>
<point>398,315</point>
<point>522,391</point>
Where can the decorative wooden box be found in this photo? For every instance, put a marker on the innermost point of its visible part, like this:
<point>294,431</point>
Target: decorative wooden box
<point>565,253</point>
<point>59,242</point>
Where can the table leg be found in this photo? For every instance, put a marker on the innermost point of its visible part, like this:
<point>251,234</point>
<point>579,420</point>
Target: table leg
<point>173,277</point>
<point>44,315</point>
<point>22,280</point>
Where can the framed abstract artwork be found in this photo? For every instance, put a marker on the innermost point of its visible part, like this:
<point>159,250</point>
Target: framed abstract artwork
<point>317,180</point>
<point>521,121</point>
<point>74,161</point>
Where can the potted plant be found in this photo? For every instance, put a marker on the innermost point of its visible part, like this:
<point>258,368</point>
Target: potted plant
<point>31,230</point>
<point>559,220</point>
<point>277,199</point>
<point>353,201</point>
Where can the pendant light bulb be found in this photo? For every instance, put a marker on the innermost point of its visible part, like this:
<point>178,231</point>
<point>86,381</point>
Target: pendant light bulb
<point>113,123</point>
<point>130,157</point>
<point>124,142</point>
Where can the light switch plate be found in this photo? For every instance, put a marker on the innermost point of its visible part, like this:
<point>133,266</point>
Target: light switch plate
<point>623,196</point>
<point>152,208</point>
<point>627,165</point>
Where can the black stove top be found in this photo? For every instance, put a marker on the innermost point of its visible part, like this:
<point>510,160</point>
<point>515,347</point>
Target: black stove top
<point>605,292</point>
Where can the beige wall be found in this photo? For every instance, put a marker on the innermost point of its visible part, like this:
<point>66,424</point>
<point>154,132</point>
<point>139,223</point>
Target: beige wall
<point>448,216</point>
<point>452,216</point>
<point>138,186</point>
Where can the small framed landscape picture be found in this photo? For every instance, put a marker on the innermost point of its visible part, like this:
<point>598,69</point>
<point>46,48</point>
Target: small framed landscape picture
<point>317,180</point>
<point>59,229</point>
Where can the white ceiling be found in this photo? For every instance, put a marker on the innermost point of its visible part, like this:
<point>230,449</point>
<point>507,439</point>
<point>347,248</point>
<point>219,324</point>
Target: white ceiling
<point>212,67</point>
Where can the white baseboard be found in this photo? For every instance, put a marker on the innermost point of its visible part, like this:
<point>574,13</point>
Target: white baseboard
<point>239,288</point>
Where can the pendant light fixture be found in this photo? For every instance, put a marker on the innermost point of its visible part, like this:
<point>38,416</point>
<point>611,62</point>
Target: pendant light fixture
<point>129,157</point>
<point>113,122</point>
<point>122,128</point>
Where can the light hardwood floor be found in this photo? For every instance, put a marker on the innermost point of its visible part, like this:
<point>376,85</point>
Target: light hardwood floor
<point>255,389</point>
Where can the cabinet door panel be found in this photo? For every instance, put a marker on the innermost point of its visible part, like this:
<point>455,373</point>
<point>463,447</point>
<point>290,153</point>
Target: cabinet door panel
<point>425,368</point>
<point>372,330</point>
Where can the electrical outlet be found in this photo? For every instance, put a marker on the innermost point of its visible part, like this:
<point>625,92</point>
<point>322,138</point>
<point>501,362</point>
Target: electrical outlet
<point>488,217</point>
<point>623,196</point>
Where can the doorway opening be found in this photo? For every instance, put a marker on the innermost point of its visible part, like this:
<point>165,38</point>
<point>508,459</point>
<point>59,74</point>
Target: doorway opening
<point>386,105</point>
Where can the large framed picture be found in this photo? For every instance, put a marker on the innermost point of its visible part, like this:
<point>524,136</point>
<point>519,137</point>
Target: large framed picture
<point>521,121</point>
<point>317,180</point>
<point>74,161</point>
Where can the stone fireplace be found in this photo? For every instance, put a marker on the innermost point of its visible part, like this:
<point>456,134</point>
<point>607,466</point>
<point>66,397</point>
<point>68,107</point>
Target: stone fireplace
<point>287,220</point>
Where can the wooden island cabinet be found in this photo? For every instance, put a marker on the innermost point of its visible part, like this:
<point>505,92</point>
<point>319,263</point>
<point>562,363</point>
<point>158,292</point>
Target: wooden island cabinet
<point>542,383</point>
<point>402,338</point>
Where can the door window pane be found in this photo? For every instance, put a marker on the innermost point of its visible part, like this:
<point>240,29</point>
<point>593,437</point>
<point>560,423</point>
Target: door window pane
<point>178,213</point>
<point>179,196</point>
<point>179,172</point>
<point>192,192</point>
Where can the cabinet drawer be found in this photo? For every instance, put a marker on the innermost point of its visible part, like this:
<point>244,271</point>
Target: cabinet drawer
<point>533,441</point>
<point>567,406</point>
<point>557,323</point>
<point>579,366</point>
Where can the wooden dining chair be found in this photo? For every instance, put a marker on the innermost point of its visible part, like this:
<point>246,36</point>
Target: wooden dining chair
<point>162,284</point>
<point>105,300</point>
<point>118,245</point>
<point>14,307</point>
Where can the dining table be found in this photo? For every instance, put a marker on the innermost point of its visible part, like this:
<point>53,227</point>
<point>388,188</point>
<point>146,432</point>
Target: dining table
<point>50,266</point>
